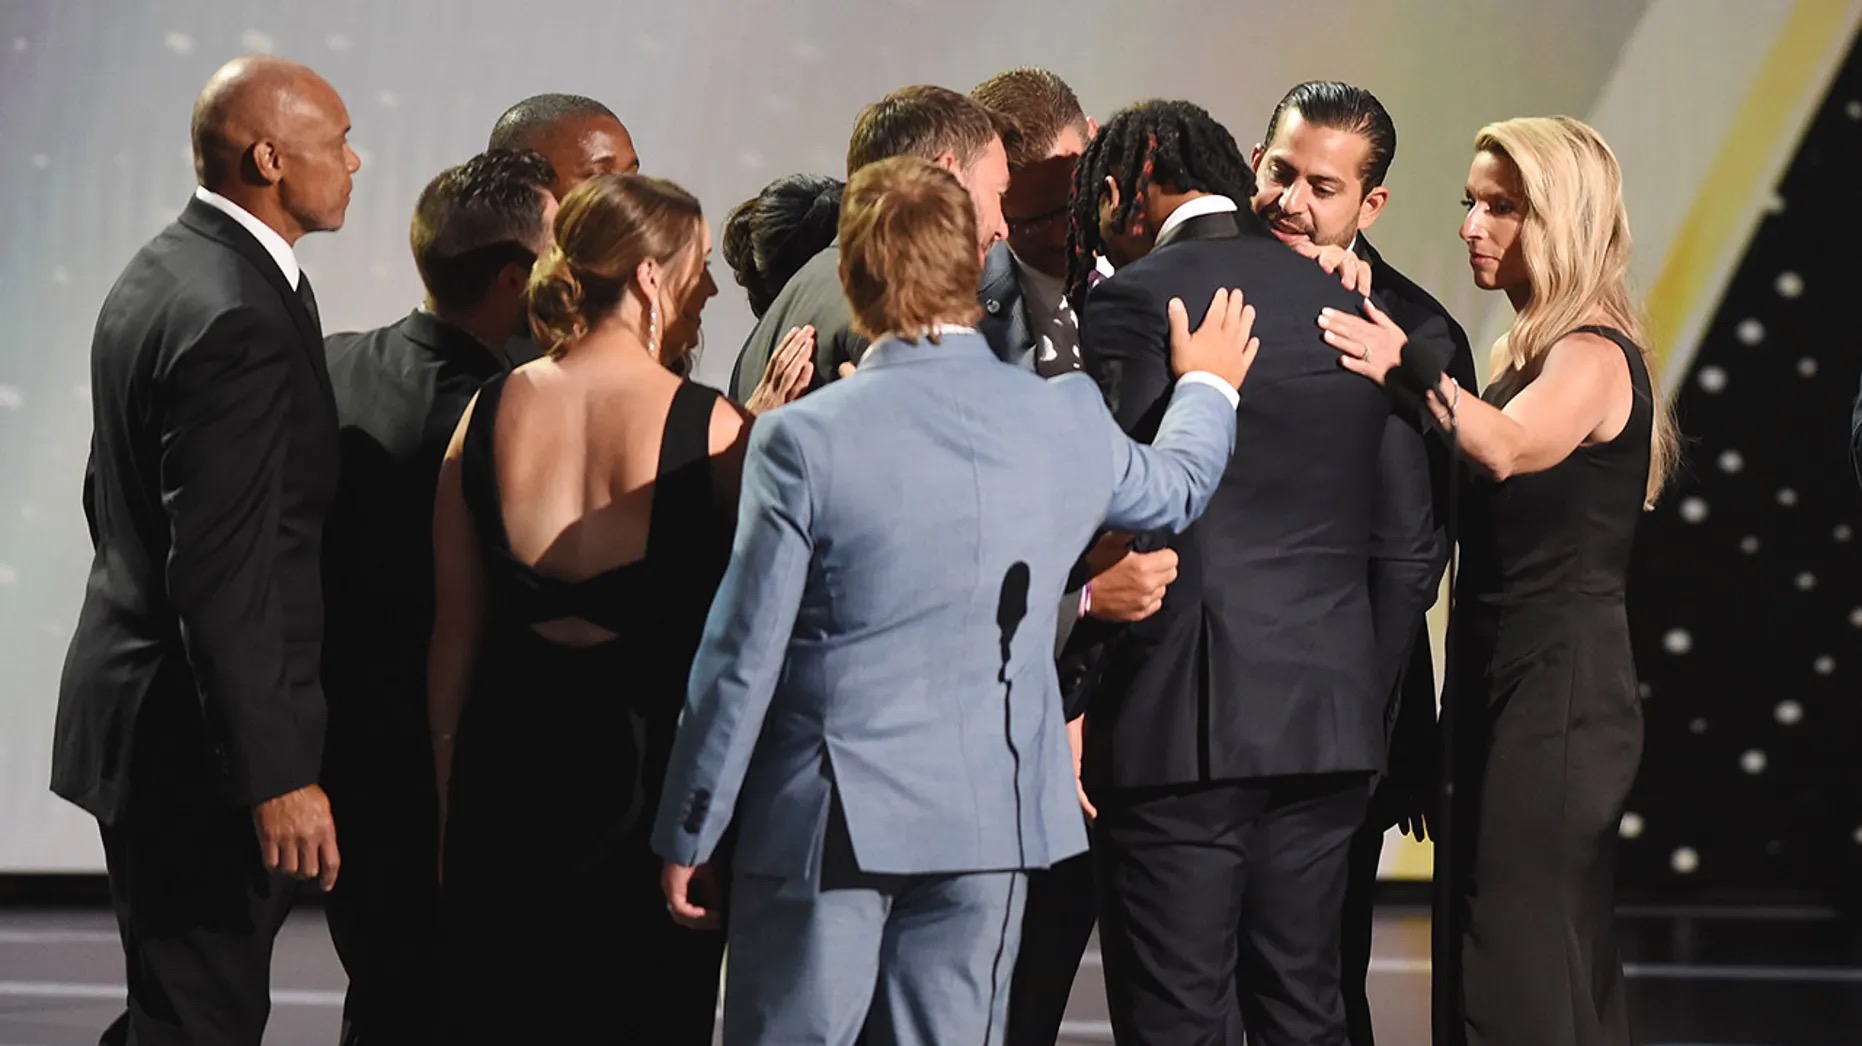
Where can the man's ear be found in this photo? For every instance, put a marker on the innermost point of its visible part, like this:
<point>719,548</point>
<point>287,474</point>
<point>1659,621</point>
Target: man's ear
<point>515,276</point>
<point>1372,206</point>
<point>266,161</point>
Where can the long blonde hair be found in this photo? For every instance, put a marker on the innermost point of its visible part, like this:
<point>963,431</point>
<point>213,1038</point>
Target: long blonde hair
<point>1575,238</point>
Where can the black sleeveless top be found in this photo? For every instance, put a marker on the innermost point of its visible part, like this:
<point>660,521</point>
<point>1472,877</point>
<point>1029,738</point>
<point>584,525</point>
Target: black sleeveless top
<point>1564,533</point>
<point>687,538</point>
<point>562,749</point>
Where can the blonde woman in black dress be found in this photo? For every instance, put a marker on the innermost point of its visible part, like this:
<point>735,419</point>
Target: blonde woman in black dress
<point>1568,445</point>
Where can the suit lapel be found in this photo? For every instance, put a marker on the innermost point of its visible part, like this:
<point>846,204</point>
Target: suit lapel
<point>1005,310</point>
<point>222,229</point>
<point>1382,293</point>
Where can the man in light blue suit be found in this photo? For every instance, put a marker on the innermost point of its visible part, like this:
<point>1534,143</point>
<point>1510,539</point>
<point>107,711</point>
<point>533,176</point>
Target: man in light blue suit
<point>874,702</point>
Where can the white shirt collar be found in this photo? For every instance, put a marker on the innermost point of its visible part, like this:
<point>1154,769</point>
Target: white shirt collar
<point>267,236</point>
<point>1103,264</point>
<point>1214,203</point>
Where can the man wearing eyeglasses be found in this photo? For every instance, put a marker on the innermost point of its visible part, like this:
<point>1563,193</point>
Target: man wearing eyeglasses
<point>1026,313</point>
<point>1030,323</point>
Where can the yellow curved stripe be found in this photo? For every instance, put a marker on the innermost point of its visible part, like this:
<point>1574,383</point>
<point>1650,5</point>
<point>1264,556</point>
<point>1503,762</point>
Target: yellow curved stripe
<point>1773,116</point>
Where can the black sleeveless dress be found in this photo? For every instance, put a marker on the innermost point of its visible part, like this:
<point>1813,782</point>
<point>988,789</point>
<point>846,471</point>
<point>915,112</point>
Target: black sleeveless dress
<point>1547,737</point>
<point>558,930</point>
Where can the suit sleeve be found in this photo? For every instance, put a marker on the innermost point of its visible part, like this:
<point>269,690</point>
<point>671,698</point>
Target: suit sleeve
<point>1855,439</point>
<point>746,639</point>
<point>223,467</point>
<point>844,347</point>
<point>1432,339</point>
<point>1166,485</point>
<point>1125,343</point>
<point>1407,551</point>
<point>90,496</point>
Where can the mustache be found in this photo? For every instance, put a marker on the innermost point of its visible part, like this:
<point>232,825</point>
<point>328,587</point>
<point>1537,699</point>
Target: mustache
<point>1273,215</point>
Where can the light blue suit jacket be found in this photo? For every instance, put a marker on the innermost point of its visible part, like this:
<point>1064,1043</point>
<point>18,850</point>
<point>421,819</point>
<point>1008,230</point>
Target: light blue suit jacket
<point>854,647</point>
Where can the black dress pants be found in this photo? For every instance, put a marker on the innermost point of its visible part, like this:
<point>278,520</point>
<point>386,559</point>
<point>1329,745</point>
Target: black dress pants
<point>1220,908</point>
<point>384,913</point>
<point>1057,923</point>
<point>197,912</point>
<point>1354,945</point>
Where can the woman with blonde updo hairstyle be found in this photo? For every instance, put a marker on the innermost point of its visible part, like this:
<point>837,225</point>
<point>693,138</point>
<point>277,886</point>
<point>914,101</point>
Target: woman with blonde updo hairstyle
<point>1569,444</point>
<point>583,521</point>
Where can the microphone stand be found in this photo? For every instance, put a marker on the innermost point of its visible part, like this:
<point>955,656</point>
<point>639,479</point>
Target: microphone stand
<point>1443,927</point>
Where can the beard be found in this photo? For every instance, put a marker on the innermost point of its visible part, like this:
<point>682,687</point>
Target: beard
<point>1288,225</point>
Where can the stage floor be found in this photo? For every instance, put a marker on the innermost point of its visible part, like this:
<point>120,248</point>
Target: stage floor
<point>1738,977</point>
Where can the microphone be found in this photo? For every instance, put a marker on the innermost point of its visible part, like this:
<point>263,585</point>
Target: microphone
<point>1421,366</point>
<point>1012,606</point>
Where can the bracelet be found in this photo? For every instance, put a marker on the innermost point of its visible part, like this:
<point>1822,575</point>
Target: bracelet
<point>1086,598</point>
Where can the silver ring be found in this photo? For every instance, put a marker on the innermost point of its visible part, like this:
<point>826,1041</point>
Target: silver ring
<point>1364,352</point>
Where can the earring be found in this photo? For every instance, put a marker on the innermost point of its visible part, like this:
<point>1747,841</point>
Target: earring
<point>653,331</point>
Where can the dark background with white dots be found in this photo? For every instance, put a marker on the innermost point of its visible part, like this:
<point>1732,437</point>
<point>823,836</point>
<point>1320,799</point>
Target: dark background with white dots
<point>1743,597</point>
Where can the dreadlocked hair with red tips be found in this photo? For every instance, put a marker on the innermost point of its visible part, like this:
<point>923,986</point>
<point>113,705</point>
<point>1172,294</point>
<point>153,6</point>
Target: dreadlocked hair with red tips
<point>1170,143</point>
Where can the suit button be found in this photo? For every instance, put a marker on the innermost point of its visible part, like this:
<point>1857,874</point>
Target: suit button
<point>695,817</point>
<point>992,306</point>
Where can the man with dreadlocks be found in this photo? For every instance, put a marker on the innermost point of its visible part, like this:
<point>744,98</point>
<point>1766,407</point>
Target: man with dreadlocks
<point>1231,742</point>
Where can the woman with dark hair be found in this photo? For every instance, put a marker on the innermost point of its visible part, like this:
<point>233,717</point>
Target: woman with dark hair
<point>770,236</point>
<point>583,521</point>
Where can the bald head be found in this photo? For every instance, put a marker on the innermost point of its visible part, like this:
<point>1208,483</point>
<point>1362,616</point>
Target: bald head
<point>273,137</point>
<point>578,135</point>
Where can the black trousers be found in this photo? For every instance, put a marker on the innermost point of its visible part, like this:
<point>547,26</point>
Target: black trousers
<point>1220,909</point>
<point>198,914</point>
<point>1354,940</point>
<point>1057,923</point>
<point>384,912</point>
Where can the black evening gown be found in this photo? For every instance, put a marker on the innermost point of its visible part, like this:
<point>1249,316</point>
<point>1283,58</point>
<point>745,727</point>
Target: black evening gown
<point>557,929</point>
<point>1547,736</point>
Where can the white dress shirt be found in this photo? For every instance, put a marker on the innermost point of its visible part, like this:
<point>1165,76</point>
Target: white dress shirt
<point>267,236</point>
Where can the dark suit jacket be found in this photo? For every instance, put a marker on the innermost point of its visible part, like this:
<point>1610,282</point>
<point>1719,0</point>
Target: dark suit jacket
<point>813,296</point>
<point>1265,659</point>
<point>1410,719</point>
<point>213,461</point>
<point>1855,438</point>
<point>1005,321</point>
<point>400,391</point>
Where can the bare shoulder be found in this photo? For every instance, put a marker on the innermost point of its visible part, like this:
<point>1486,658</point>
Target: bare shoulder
<point>728,421</point>
<point>1583,354</point>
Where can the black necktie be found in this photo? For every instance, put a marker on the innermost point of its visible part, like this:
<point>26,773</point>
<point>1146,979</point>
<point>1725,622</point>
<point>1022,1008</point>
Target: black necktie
<point>309,298</point>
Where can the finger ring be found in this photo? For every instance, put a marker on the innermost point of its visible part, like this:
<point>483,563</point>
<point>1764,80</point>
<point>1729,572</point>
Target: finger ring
<point>1364,352</point>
